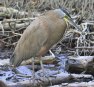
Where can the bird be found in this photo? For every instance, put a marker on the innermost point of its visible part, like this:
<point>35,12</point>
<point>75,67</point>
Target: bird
<point>2,84</point>
<point>44,32</point>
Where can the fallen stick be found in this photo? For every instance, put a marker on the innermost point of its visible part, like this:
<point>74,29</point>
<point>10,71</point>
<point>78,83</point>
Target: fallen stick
<point>57,79</point>
<point>8,12</point>
<point>80,64</point>
<point>46,59</point>
<point>6,26</point>
<point>76,84</point>
<point>18,20</point>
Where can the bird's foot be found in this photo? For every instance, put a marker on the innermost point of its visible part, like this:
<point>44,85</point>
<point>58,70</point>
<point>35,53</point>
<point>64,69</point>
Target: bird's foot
<point>42,74</point>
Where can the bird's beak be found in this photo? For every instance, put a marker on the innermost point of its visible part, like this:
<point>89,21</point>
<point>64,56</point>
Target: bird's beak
<point>68,19</point>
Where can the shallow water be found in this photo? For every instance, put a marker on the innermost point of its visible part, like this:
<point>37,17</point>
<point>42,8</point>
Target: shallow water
<point>21,73</point>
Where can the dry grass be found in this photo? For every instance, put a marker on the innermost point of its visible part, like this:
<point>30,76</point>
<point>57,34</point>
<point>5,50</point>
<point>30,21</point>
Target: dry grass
<point>82,7</point>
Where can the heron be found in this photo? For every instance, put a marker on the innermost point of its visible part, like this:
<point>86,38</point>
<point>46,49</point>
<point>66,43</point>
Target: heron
<point>2,84</point>
<point>44,32</point>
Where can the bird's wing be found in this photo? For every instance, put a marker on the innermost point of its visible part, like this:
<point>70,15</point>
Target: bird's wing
<point>32,40</point>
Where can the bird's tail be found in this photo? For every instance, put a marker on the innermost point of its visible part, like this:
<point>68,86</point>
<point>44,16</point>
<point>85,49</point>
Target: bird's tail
<point>2,84</point>
<point>12,59</point>
<point>15,61</point>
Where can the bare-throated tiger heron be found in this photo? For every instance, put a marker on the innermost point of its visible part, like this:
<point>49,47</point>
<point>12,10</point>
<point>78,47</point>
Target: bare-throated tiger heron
<point>41,35</point>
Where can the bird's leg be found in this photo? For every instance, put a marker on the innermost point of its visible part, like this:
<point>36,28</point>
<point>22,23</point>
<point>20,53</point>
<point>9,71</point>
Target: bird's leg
<point>33,74</point>
<point>41,63</point>
<point>52,53</point>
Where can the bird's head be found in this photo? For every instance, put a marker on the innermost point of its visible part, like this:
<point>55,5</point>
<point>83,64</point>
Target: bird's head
<point>68,18</point>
